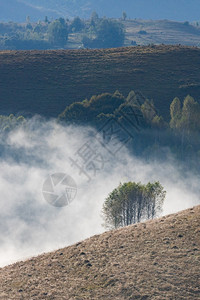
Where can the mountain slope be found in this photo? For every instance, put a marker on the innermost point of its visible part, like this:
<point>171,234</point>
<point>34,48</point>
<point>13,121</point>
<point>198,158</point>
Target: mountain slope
<point>157,259</point>
<point>161,32</point>
<point>17,11</point>
<point>45,82</point>
<point>181,10</point>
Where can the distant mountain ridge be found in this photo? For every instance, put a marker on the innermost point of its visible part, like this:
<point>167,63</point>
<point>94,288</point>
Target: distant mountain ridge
<point>17,11</point>
<point>180,10</point>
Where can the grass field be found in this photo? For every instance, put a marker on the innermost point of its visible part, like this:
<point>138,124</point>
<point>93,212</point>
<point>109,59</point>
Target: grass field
<point>155,260</point>
<point>145,32</point>
<point>45,82</point>
<point>161,31</point>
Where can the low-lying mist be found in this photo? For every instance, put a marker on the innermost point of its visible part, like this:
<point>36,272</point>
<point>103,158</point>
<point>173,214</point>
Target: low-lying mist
<point>29,225</point>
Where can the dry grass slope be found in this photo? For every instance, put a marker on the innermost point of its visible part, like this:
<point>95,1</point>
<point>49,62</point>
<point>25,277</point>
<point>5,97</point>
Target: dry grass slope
<point>45,82</point>
<point>158,259</point>
<point>161,31</point>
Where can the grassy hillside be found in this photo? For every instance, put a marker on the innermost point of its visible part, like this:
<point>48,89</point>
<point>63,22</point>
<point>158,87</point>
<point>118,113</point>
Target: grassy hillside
<point>46,82</point>
<point>157,259</point>
<point>145,32</point>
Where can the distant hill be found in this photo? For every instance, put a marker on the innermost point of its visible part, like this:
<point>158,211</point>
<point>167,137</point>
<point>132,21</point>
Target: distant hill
<point>144,32</point>
<point>158,259</point>
<point>181,10</point>
<point>45,82</point>
<point>17,11</point>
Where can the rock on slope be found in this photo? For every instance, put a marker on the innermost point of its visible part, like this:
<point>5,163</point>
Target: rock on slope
<point>157,259</point>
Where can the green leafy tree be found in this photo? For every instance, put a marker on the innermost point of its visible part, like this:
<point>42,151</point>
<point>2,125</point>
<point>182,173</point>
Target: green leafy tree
<point>110,33</point>
<point>89,111</point>
<point>124,15</point>
<point>28,19</point>
<point>58,32</point>
<point>10,122</point>
<point>38,28</point>
<point>175,113</point>
<point>149,111</point>
<point>154,199</point>
<point>76,25</point>
<point>190,120</point>
<point>159,123</point>
<point>187,118</point>
<point>46,19</point>
<point>132,202</point>
<point>94,18</point>
<point>136,98</point>
<point>185,121</point>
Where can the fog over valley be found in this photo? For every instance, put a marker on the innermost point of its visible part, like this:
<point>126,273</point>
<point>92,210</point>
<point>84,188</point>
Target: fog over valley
<point>29,225</point>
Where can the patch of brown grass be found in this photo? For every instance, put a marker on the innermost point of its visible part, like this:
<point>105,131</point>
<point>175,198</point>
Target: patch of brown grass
<point>158,259</point>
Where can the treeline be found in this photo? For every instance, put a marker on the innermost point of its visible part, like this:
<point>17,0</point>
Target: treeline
<point>153,135</point>
<point>93,33</point>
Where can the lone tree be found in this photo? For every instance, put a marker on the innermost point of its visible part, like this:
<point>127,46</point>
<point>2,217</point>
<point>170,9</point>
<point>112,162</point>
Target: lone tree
<point>58,32</point>
<point>176,113</point>
<point>124,16</point>
<point>132,202</point>
<point>76,25</point>
<point>110,33</point>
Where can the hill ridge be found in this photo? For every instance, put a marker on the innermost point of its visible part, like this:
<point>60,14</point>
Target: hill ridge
<point>48,81</point>
<point>113,8</point>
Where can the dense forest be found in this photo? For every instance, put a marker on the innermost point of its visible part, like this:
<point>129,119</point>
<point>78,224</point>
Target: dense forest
<point>151,135</point>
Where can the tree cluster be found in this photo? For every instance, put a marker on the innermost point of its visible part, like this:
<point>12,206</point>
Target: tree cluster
<point>95,33</point>
<point>104,33</point>
<point>132,202</point>
<point>180,135</point>
<point>185,118</point>
<point>90,111</point>
<point>58,33</point>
